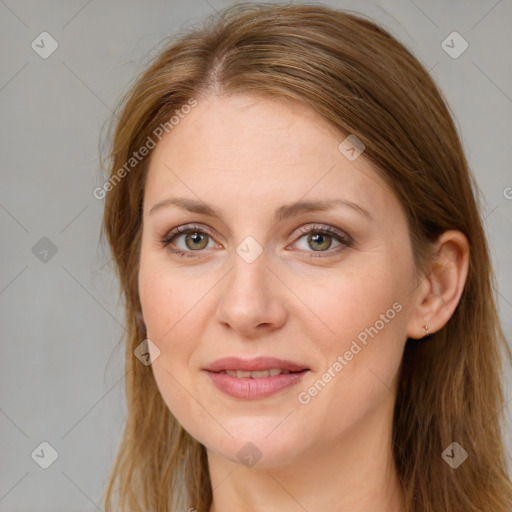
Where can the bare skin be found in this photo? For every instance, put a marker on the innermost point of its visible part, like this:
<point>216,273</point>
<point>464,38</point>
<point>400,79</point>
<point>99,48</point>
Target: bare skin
<point>304,300</point>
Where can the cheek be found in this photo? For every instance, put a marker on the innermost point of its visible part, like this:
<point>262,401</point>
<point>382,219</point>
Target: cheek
<point>366,316</point>
<point>163,298</point>
<point>168,317</point>
<point>173,307</point>
<point>158,302</point>
<point>361,363</point>
<point>353,303</point>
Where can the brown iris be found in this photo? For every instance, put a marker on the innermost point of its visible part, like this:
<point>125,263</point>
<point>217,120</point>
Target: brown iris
<point>326,241</point>
<point>196,238</point>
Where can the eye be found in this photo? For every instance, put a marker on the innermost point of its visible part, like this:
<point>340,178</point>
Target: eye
<point>320,239</point>
<point>187,240</point>
<point>193,238</point>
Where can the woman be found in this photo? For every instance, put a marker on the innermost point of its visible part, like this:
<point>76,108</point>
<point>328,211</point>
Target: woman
<point>310,316</point>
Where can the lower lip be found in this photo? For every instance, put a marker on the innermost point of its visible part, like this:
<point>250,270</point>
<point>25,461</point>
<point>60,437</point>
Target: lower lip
<point>251,389</point>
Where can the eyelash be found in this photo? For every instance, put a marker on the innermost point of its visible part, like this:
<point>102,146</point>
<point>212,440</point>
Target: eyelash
<point>344,239</point>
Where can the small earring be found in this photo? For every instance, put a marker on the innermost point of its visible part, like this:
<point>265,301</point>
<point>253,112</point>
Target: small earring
<point>426,329</point>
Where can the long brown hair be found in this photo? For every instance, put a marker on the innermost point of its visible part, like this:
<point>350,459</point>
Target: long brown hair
<point>360,79</point>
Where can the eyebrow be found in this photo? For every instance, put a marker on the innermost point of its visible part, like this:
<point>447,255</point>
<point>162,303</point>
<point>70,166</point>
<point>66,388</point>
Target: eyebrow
<point>283,212</point>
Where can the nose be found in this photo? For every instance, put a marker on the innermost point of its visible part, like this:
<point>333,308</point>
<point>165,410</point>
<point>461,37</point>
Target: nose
<point>252,300</point>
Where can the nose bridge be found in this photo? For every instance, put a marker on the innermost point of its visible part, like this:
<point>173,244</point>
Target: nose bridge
<point>249,265</point>
<point>249,297</point>
<point>249,280</point>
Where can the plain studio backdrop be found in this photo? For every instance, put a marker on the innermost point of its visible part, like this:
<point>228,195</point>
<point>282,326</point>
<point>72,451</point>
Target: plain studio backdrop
<point>64,67</point>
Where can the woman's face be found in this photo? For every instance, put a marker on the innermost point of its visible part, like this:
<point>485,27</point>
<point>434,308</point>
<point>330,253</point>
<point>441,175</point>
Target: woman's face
<point>262,279</point>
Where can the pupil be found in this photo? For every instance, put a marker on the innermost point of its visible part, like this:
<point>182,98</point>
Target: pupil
<point>196,238</point>
<point>318,239</point>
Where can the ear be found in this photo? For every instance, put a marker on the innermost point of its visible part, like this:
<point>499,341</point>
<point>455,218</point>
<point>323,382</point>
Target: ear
<point>439,292</point>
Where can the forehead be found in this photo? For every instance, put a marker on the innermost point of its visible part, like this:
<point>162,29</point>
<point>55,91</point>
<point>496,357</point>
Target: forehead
<point>256,151</point>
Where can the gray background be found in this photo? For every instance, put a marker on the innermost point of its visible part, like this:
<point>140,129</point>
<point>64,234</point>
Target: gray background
<point>61,371</point>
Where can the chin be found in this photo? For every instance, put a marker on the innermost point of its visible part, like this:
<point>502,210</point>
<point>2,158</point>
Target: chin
<point>256,447</point>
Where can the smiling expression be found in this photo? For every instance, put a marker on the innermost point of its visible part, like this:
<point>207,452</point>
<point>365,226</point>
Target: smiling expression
<point>285,249</point>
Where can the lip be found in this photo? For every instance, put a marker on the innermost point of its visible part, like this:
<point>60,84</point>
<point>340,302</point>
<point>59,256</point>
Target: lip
<point>249,388</point>
<point>254,365</point>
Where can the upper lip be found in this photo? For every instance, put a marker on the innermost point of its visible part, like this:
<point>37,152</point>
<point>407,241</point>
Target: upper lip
<point>259,363</point>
